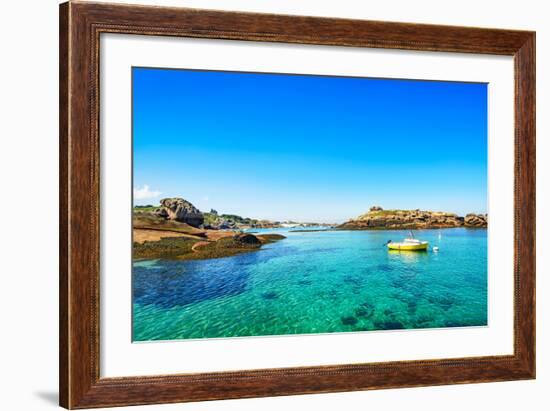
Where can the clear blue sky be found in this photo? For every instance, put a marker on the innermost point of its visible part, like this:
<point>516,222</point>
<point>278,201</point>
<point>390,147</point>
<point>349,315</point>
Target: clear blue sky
<point>308,148</point>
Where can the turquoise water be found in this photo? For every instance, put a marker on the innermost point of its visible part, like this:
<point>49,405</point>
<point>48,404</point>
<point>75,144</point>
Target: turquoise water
<point>316,282</point>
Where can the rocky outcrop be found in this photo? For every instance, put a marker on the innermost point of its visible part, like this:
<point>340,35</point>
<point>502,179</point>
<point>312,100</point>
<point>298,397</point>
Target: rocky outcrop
<point>245,238</point>
<point>475,220</point>
<point>180,210</point>
<point>195,248</point>
<point>378,218</point>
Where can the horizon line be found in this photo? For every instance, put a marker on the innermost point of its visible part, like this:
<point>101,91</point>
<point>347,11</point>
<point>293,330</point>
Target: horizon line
<point>299,220</point>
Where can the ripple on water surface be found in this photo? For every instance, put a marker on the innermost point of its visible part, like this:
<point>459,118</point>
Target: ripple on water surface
<point>316,282</point>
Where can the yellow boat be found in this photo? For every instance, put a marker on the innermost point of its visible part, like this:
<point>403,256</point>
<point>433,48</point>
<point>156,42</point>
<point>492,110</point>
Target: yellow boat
<point>408,244</point>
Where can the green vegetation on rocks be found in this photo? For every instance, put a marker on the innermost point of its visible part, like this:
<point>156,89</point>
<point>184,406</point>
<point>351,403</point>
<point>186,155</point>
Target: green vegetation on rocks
<point>171,247</point>
<point>380,219</point>
<point>145,208</point>
<point>270,238</point>
<point>151,221</point>
<point>185,248</point>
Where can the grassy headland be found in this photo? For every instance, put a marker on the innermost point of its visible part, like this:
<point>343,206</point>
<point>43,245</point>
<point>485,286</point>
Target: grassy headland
<point>378,219</point>
<point>158,237</point>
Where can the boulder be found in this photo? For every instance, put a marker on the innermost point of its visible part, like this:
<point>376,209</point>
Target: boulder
<point>161,212</point>
<point>180,210</point>
<point>246,238</point>
<point>475,220</point>
<point>227,225</point>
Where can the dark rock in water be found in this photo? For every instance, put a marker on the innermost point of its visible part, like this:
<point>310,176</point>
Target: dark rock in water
<point>245,238</point>
<point>389,325</point>
<point>270,295</point>
<point>349,320</point>
<point>361,312</point>
<point>411,306</point>
<point>366,310</point>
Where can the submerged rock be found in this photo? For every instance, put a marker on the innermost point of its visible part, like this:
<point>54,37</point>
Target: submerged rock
<point>411,306</point>
<point>349,320</point>
<point>361,312</point>
<point>366,310</point>
<point>270,295</point>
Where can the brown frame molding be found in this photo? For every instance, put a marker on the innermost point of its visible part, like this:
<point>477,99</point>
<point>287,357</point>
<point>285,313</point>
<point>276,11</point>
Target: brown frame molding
<point>81,24</point>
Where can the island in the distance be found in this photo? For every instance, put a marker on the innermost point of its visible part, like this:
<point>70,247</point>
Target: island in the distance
<point>176,229</point>
<point>379,219</point>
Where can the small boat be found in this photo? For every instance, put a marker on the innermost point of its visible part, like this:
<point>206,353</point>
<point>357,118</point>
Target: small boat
<point>408,244</point>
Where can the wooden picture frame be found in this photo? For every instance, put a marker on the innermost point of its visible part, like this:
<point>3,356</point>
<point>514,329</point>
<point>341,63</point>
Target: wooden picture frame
<point>80,27</point>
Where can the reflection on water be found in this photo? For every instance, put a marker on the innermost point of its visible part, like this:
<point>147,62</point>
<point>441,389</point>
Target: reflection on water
<point>316,282</point>
<point>408,256</point>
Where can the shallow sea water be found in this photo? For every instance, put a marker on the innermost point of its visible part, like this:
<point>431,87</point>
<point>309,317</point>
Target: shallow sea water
<point>316,282</point>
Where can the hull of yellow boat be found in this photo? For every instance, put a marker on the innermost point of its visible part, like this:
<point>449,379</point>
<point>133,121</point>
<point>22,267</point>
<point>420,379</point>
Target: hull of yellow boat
<point>408,247</point>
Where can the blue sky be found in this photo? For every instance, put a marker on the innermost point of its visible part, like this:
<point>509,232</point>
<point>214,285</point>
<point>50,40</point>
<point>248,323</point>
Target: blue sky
<point>308,148</point>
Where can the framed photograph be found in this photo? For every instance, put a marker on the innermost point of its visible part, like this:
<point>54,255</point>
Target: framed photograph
<point>258,205</point>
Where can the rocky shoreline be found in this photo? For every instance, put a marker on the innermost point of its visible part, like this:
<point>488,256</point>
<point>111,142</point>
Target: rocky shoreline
<point>187,248</point>
<point>178,209</point>
<point>176,230</point>
<point>379,219</point>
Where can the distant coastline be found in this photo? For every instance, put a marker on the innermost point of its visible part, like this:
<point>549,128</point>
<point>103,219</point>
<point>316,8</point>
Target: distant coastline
<point>176,229</point>
<point>379,219</point>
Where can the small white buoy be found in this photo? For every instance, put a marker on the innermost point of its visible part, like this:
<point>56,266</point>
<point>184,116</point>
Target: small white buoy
<point>436,249</point>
